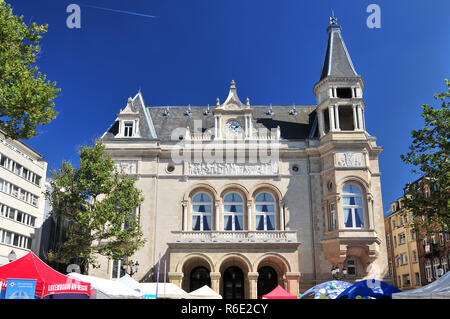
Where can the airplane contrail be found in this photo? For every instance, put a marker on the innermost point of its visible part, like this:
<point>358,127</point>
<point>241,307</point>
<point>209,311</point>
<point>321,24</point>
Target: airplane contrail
<point>120,11</point>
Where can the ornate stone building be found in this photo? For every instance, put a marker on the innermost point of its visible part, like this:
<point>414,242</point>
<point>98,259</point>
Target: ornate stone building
<point>243,197</point>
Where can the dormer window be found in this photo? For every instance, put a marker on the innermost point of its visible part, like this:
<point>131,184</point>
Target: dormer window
<point>128,129</point>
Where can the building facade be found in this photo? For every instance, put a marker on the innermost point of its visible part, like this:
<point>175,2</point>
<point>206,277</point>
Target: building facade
<point>22,178</point>
<point>415,257</point>
<point>403,250</point>
<point>244,197</point>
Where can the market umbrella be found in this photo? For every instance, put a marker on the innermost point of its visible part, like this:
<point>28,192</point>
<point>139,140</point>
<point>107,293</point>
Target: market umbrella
<point>369,288</point>
<point>329,290</point>
<point>279,293</point>
<point>48,280</point>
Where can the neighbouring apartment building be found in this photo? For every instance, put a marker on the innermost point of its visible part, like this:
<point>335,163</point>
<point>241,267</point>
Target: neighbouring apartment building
<point>415,258</point>
<point>309,200</point>
<point>22,179</point>
<point>403,252</point>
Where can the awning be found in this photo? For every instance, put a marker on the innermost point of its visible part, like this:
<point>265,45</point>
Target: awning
<point>279,293</point>
<point>48,280</point>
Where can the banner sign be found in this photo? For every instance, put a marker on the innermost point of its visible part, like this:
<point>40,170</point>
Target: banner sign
<point>20,289</point>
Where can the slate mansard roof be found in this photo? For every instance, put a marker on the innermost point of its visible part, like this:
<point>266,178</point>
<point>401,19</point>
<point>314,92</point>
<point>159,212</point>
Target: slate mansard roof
<point>156,124</point>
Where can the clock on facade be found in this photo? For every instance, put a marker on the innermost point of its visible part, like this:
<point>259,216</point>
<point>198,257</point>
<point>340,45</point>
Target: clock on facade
<point>233,128</point>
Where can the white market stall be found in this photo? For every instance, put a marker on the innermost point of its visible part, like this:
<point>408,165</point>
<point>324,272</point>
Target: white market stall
<point>165,290</point>
<point>107,289</point>
<point>168,290</point>
<point>203,293</point>
<point>439,289</point>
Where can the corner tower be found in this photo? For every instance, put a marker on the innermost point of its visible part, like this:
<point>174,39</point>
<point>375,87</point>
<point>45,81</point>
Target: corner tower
<point>351,213</point>
<point>339,90</point>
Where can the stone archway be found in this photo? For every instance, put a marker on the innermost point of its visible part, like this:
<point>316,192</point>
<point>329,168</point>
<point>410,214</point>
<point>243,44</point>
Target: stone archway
<point>196,268</point>
<point>238,266</point>
<point>271,265</point>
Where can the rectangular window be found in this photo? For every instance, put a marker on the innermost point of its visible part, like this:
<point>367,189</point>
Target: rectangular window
<point>414,256</point>
<point>404,259</point>
<point>118,269</point>
<point>128,129</point>
<point>331,217</point>
<point>388,240</point>
<point>401,238</point>
<point>351,268</point>
<point>406,281</point>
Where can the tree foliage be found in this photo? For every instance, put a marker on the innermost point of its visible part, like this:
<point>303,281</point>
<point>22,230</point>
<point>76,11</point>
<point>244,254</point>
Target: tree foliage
<point>25,93</point>
<point>98,204</point>
<point>428,153</point>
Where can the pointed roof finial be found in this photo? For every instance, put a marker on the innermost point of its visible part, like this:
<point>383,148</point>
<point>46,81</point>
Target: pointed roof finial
<point>167,111</point>
<point>189,112</point>
<point>333,19</point>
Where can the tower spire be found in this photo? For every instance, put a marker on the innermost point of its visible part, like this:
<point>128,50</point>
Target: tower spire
<point>337,62</point>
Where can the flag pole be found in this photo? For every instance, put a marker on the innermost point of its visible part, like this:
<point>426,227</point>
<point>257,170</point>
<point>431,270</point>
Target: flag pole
<point>157,276</point>
<point>165,272</point>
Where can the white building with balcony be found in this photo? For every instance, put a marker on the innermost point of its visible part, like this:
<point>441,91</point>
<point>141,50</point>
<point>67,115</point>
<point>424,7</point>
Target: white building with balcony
<point>22,179</point>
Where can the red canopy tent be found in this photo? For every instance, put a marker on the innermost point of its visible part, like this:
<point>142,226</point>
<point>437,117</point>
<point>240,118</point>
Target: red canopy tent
<point>48,280</point>
<point>279,293</point>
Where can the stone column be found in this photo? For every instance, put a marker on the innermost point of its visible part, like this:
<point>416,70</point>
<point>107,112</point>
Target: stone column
<point>293,279</point>
<point>185,219</point>
<point>253,285</point>
<point>215,281</point>
<point>360,120</point>
<point>331,117</point>
<point>176,278</point>
<point>282,216</point>
<point>336,111</point>
<point>355,119</point>
<point>216,126</point>
<point>321,123</point>
<point>249,215</point>
<point>217,214</point>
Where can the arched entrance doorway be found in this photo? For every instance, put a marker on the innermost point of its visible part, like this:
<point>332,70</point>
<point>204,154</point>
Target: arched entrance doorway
<point>198,278</point>
<point>233,283</point>
<point>267,280</point>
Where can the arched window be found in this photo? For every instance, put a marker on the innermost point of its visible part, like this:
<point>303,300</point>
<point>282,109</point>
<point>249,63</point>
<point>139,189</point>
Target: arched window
<point>264,211</point>
<point>201,212</point>
<point>352,203</point>
<point>233,212</point>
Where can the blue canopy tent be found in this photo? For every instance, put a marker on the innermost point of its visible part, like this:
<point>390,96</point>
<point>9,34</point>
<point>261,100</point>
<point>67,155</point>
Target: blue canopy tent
<point>330,290</point>
<point>369,288</point>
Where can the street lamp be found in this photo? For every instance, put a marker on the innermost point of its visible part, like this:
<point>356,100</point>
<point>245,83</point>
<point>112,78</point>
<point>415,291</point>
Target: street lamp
<point>12,256</point>
<point>335,272</point>
<point>134,267</point>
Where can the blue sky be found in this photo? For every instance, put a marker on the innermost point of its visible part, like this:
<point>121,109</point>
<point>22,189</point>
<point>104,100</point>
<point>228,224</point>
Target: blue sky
<point>274,50</point>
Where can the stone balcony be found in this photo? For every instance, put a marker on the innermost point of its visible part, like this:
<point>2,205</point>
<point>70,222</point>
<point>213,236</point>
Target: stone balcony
<point>273,237</point>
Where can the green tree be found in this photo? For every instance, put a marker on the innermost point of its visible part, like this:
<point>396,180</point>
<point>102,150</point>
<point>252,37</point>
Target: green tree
<point>428,153</point>
<point>25,93</point>
<point>98,204</point>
